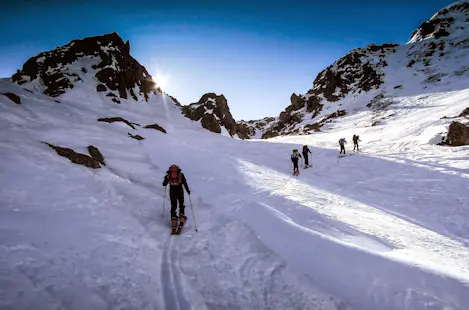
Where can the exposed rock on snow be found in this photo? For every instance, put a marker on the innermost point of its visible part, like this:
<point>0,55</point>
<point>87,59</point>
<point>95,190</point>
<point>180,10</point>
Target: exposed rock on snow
<point>13,97</point>
<point>76,158</point>
<point>155,126</point>
<point>117,119</point>
<point>458,134</point>
<point>465,113</point>
<point>136,137</point>
<point>55,73</point>
<point>213,112</point>
<point>96,154</point>
<point>101,88</point>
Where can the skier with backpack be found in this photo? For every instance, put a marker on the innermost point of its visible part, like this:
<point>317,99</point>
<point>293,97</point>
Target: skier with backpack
<point>305,156</point>
<point>356,138</point>
<point>295,156</point>
<point>176,180</point>
<point>342,145</point>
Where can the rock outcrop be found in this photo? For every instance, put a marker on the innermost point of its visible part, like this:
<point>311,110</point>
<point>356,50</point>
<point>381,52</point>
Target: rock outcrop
<point>213,112</point>
<point>76,158</point>
<point>117,119</point>
<point>107,58</point>
<point>155,126</point>
<point>136,137</point>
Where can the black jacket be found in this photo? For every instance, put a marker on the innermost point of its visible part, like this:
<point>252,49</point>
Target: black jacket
<point>306,150</point>
<point>176,188</point>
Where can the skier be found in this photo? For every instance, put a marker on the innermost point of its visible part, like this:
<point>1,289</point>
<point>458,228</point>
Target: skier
<point>356,138</point>
<point>342,145</point>
<point>295,156</point>
<point>176,180</point>
<point>305,155</point>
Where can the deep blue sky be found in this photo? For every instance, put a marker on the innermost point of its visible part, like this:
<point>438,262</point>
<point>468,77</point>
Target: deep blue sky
<point>254,52</point>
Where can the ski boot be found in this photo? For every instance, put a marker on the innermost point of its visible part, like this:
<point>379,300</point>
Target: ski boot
<point>174,225</point>
<point>182,219</point>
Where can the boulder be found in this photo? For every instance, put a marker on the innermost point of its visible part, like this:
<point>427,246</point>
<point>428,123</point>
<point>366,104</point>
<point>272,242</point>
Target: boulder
<point>458,134</point>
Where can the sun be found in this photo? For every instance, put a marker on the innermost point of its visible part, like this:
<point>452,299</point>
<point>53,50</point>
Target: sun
<point>162,81</point>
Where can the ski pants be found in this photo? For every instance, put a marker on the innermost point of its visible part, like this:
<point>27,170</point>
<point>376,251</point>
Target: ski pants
<point>295,165</point>
<point>355,145</point>
<point>175,197</point>
<point>305,156</point>
<point>342,148</point>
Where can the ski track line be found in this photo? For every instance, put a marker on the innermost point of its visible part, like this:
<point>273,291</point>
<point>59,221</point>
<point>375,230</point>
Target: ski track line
<point>167,283</point>
<point>173,295</point>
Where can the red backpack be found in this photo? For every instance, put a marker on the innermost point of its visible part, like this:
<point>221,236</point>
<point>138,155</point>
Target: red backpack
<point>174,175</point>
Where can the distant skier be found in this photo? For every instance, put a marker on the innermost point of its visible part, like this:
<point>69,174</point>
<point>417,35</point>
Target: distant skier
<point>295,156</point>
<point>342,145</point>
<point>305,155</point>
<point>356,138</point>
<point>176,179</point>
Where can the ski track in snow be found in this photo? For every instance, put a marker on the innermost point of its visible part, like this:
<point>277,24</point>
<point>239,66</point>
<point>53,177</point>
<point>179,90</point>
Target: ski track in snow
<point>170,278</point>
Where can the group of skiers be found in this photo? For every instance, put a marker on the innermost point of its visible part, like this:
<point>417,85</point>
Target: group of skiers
<point>295,156</point>
<point>342,142</point>
<point>177,182</point>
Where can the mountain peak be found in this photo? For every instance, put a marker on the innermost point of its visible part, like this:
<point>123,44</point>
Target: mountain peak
<point>105,58</point>
<point>449,21</point>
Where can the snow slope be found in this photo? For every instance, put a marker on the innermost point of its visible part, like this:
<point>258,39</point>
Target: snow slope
<point>76,238</point>
<point>386,229</point>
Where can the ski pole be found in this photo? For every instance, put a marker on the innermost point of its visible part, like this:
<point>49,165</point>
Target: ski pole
<point>164,200</point>
<point>193,216</point>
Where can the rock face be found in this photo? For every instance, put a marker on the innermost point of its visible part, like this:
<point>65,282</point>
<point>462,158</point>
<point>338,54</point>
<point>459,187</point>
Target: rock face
<point>458,135</point>
<point>107,58</point>
<point>13,97</point>
<point>426,59</point>
<point>255,128</point>
<point>213,112</point>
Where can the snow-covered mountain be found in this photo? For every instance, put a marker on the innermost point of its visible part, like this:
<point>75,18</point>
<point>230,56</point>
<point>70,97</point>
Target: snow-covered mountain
<point>371,81</point>
<point>84,220</point>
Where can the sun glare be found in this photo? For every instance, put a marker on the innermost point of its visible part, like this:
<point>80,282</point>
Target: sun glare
<point>161,81</point>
